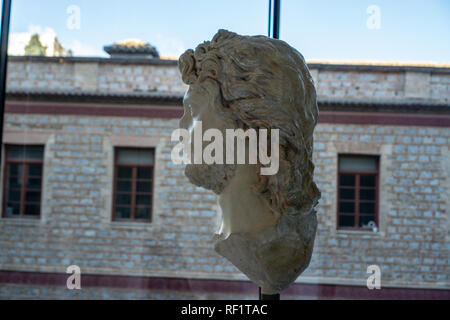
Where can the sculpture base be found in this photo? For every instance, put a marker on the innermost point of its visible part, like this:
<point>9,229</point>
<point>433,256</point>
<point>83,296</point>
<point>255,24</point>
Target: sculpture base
<point>275,257</point>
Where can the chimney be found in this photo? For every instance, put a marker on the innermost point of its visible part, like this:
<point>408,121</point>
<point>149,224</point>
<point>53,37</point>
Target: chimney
<point>132,48</point>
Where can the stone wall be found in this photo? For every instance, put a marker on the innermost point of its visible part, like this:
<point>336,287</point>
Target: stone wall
<point>118,75</point>
<point>411,246</point>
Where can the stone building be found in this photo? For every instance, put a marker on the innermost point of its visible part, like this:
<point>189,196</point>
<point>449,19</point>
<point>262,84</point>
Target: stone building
<point>83,125</point>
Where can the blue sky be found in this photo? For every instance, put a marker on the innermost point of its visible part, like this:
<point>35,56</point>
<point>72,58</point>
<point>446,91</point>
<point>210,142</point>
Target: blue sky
<point>409,30</point>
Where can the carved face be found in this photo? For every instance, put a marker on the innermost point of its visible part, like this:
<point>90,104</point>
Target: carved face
<point>201,109</point>
<point>264,83</point>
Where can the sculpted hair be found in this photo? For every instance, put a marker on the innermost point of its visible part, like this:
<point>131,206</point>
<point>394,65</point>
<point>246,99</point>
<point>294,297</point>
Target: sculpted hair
<point>264,84</point>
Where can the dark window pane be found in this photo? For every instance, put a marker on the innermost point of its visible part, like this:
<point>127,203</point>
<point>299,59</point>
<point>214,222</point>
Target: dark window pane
<point>367,194</point>
<point>26,152</point>
<point>143,199</point>
<point>34,183</point>
<point>13,195</point>
<point>347,194</point>
<point>124,199</point>
<point>367,181</point>
<point>144,173</point>
<point>347,180</point>
<point>15,182</point>
<point>347,207</point>
<point>135,156</point>
<point>124,172</point>
<point>365,219</point>
<point>32,210</point>
<point>124,186</point>
<point>358,163</point>
<point>144,187</point>
<point>12,209</point>
<point>122,213</point>
<point>33,196</point>
<point>142,213</point>
<point>35,170</point>
<point>346,221</point>
<point>15,169</point>
<point>367,207</point>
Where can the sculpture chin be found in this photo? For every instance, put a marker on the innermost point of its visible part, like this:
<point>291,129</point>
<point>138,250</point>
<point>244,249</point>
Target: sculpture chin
<point>213,177</point>
<point>275,257</point>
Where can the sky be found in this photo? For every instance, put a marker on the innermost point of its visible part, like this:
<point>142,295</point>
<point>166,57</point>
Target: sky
<point>344,30</point>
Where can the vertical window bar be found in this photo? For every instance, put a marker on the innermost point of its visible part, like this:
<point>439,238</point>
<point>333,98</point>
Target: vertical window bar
<point>270,17</point>
<point>357,200</point>
<point>276,19</point>
<point>23,190</point>
<point>133,192</point>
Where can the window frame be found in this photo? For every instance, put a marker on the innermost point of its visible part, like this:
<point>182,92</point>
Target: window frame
<point>357,174</point>
<point>134,167</point>
<point>23,189</point>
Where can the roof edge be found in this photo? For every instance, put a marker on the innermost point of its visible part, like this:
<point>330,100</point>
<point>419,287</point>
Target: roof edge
<point>170,62</point>
<point>167,98</point>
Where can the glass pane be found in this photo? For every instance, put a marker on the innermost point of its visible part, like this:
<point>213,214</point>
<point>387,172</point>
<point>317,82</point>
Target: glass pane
<point>347,207</point>
<point>15,182</point>
<point>32,210</point>
<point>142,213</point>
<point>33,196</point>
<point>124,172</point>
<point>34,183</point>
<point>13,195</point>
<point>12,209</point>
<point>35,170</point>
<point>124,199</point>
<point>135,156</point>
<point>346,221</point>
<point>144,173</point>
<point>347,194</point>
<point>124,186</point>
<point>122,213</point>
<point>367,194</point>
<point>347,180</point>
<point>364,221</point>
<point>26,152</point>
<point>143,199</point>
<point>144,187</point>
<point>365,207</point>
<point>358,163</point>
<point>367,181</point>
<point>15,169</point>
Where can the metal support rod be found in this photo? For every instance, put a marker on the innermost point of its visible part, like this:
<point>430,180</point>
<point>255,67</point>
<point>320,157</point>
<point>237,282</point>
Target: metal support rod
<point>263,296</point>
<point>276,19</point>
<point>6,13</point>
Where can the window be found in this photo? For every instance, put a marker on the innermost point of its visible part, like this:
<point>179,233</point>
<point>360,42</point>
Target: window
<point>22,181</point>
<point>133,184</point>
<point>358,192</point>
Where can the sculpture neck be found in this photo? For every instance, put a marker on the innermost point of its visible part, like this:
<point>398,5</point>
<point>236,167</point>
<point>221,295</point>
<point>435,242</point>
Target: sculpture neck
<point>243,210</point>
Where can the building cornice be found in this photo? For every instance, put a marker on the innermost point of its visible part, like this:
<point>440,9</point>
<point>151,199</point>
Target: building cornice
<point>176,99</point>
<point>169,62</point>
